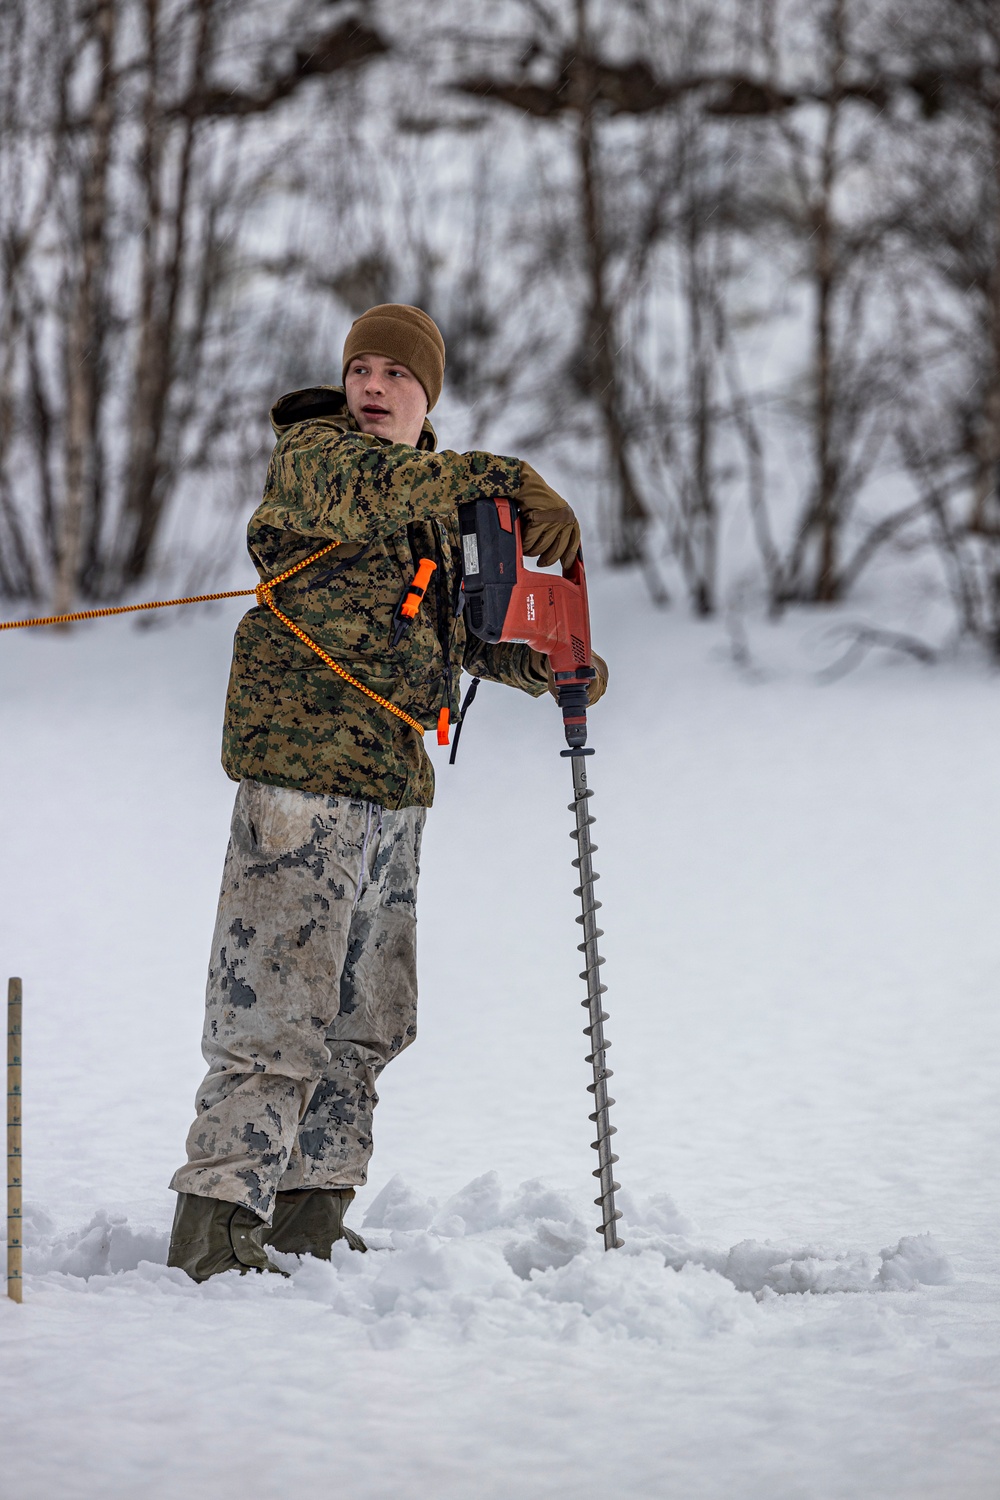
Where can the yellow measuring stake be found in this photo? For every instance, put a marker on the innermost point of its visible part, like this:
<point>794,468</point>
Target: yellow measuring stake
<point>15,1282</point>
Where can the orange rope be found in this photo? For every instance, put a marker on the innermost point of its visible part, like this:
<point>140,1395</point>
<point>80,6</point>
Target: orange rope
<point>263,594</point>
<point>119,609</point>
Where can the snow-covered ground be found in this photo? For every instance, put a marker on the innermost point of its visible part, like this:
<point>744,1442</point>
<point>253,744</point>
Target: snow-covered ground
<point>801,884</point>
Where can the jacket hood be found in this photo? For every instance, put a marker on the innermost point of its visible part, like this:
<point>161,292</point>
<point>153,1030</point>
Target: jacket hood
<point>326,403</point>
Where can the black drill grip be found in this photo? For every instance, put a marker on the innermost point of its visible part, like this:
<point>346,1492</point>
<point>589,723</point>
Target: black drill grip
<point>573,702</point>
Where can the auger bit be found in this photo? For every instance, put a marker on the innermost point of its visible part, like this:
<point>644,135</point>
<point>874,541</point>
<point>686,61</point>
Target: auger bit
<point>594,1002</point>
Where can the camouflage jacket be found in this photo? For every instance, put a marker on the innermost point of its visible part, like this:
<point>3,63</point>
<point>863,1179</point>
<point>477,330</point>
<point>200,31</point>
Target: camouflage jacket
<point>289,720</point>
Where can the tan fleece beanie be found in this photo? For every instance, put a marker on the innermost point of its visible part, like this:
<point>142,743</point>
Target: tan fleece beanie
<point>403,333</point>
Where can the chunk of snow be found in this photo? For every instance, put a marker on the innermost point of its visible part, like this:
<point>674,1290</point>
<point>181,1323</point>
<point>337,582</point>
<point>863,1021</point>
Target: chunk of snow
<point>105,1246</point>
<point>915,1261</point>
<point>399,1207</point>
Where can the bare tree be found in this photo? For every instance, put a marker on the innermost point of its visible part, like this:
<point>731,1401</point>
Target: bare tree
<point>577,86</point>
<point>710,95</point>
<point>135,152</point>
<point>948,63</point>
<point>819,198</point>
<point>611,208</point>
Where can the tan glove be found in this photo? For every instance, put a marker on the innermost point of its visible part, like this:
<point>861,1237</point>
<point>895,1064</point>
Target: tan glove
<point>597,686</point>
<point>549,529</point>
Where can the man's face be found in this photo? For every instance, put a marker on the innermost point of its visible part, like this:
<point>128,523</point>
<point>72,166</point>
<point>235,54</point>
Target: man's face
<point>385,398</point>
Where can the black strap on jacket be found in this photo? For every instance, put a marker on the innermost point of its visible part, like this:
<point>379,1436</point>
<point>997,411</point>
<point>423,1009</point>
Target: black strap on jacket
<point>324,579</point>
<point>466,704</point>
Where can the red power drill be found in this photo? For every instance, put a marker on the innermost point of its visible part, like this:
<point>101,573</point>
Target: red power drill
<point>505,601</point>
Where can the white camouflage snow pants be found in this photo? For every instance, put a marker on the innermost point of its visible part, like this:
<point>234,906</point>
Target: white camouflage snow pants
<point>312,988</point>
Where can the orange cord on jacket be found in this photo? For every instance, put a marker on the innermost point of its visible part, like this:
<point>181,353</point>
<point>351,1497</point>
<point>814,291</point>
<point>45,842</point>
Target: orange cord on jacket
<point>263,595</point>
<point>263,592</point>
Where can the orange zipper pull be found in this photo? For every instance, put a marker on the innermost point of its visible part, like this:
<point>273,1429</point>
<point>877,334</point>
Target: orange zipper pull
<point>417,589</point>
<point>413,597</point>
<point>444,723</point>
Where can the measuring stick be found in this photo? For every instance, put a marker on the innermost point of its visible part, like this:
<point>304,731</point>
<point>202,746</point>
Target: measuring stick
<point>15,1284</point>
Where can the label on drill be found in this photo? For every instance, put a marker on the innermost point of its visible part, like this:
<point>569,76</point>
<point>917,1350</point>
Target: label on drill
<point>470,551</point>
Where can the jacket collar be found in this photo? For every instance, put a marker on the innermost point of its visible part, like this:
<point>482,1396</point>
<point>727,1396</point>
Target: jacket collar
<point>328,403</point>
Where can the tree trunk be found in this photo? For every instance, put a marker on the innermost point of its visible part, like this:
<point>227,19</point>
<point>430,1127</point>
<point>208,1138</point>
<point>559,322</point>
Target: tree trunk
<point>702,516</point>
<point>631,517</point>
<point>163,278</point>
<point>985,515</point>
<point>826,584</point>
<point>84,335</point>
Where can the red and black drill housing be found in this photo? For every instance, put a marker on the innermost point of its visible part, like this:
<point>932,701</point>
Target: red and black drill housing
<point>505,601</point>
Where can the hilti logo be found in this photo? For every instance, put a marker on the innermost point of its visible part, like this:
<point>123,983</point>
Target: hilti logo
<point>529,605</point>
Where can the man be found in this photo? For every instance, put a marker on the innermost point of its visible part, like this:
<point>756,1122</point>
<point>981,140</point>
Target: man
<point>312,980</point>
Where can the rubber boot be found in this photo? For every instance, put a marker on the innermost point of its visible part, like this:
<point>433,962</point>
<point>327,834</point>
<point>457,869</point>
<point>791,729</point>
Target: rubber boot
<point>307,1221</point>
<point>210,1236</point>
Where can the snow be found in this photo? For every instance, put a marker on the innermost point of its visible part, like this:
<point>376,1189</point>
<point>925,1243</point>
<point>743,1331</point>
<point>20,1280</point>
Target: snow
<point>800,888</point>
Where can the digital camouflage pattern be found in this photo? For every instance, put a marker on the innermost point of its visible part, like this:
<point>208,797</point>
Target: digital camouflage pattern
<point>311,991</point>
<point>291,722</point>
